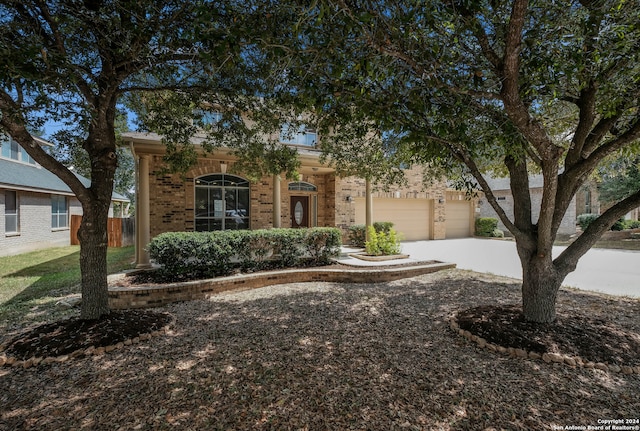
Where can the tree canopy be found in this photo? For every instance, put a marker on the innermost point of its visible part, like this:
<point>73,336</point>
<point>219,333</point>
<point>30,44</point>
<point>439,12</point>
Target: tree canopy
<point>74,62</point>
<point>469,88</point>
<point>619,179</point>
<point>464,87</point>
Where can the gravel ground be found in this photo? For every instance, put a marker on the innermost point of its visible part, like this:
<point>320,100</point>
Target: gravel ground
<point>325,356</point>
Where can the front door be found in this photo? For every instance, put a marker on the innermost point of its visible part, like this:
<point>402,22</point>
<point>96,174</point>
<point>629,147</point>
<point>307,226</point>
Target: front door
<point>299,211</point>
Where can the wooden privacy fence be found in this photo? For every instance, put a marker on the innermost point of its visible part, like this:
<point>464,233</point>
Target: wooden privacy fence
<point>120,231</point>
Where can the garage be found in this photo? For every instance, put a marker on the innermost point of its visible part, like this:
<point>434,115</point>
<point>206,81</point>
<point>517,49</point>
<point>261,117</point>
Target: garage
<point>458,219</point>
<point>412,217</point>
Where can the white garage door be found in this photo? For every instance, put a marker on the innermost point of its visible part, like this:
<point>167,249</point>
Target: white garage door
<point>458,219</point>
<point>411,217</point>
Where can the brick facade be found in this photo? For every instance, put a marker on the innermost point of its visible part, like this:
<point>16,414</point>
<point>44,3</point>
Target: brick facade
<point>413,189</point>
<point>587,199</point>
<point>172,197</point>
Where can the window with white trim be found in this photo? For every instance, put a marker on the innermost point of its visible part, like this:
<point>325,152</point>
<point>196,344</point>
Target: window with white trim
<point>9,149</point>
<point>59,212</point>
<point>222,202</point>
<point>11,212</point>
<point>302,136</point>
<point>210,117</point>
<point>302,186</point>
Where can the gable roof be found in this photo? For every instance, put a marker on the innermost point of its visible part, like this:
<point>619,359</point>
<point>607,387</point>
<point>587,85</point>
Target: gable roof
<point>22,176</point>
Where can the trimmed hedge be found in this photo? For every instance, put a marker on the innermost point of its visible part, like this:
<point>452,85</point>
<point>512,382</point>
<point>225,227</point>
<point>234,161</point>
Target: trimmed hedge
<point>584,220</point>
<point>632,224</point>
<point>486,226</point>
<point>193,255</point>
<point>357,235</point>
<point>618,225</point>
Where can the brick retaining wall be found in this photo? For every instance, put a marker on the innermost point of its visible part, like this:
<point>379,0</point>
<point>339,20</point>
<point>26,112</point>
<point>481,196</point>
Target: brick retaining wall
<point>155,296</point>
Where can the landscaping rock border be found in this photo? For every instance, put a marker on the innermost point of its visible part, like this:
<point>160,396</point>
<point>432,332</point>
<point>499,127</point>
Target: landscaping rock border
<point>10,361</point>
<point>550,358</point>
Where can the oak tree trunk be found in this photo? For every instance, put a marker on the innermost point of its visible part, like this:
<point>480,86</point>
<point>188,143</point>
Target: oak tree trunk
<point>540,285</point>
<point>93,261</point>
<point>93,235</point>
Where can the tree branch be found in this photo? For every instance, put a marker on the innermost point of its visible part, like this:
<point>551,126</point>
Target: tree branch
<point>587,113</point>
<point>568,259</point>
<point>515,107</point>
<point>15,127</point>
<point>461,154</point>
<point>520,192</point>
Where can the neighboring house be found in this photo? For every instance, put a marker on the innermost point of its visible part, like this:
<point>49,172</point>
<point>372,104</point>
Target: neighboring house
<point>502,190</point>
<point>588,202</point>
<point>35,205</point>
<point>212,196</point>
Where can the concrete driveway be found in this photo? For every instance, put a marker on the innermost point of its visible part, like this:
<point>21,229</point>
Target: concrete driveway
<point>616,272</point>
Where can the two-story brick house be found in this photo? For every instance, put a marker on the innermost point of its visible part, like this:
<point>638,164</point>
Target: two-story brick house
<point>35,205</point>
<point>213,196</point>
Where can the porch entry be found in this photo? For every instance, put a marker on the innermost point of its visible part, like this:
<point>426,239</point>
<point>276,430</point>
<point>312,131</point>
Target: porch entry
<point>299,211</point>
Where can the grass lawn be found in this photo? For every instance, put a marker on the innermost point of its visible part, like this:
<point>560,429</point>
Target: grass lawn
<point>32,283</point>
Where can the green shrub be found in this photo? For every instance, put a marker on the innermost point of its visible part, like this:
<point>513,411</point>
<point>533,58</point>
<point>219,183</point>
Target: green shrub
<point>485,226</point>
<point>632,224</point>
<point>383,226</point>
<point>497,233</point>
<point>192,255</point>
<point>618,225</point>
<point>289,246</point>
<point>357,235</point>
<point>358,232</point>
<point>584,220</point>
<point>188,255</point>
<point>254,248</point>
<point>322,243</point>
<point>383,243</point>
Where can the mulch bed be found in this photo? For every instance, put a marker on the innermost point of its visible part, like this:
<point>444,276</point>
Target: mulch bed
<point>572,334</point>
<point>323,356</point>
<point>71,335</point>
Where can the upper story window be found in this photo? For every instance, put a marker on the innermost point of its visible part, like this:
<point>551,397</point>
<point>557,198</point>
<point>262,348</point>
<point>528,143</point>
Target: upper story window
<point>59,212</point>
<point>302,186</point>
<point>11,208</point>
<point>11,150</point>
<point>302,136</point>
<point>209,117</point>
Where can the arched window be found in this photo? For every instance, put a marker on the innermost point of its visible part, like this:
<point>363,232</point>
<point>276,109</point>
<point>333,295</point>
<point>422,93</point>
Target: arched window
<point>222,202</point>
<point>302,186</point>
